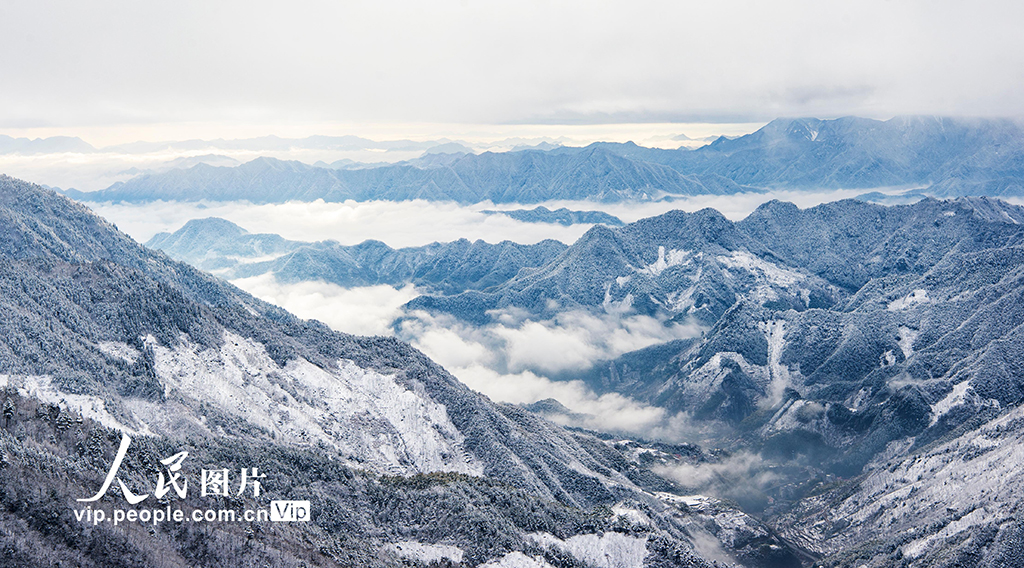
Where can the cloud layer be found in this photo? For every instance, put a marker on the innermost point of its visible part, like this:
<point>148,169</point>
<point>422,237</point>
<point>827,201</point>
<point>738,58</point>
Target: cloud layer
<point>368,310</point>
<point>503,62</point>
<point>416,223</point>
<point>743,477</point>
<point>510,360</point>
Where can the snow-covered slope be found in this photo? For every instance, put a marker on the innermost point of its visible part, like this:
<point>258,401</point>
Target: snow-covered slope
<point>958,499</point>
<point>94,325</point>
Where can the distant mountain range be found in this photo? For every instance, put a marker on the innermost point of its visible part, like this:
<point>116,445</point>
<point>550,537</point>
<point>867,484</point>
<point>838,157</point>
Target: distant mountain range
<point>52,145</point>
<point>952,156</point>
<point>231,252</point>
<point>944,156</point>
<point>527,176</point>
<point>562,216</point>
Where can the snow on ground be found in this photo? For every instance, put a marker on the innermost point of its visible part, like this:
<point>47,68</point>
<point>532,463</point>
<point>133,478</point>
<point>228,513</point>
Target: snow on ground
<point>631,514</point>
<point>517,560</point>
<point>775,334</point>
<point>906,341</point>
<point>768,277</point>
<point>770,273</point>
<point>609,550</point>
<point>954,398</point>
<point>918,296</point>
<point>121,351</point>
<point>972,480</point>
<point>42,389</point>
<point>706,379</point>
<point>366,415</point>
<point>689,500</point>
<point>426,553</point>
<point>665,261</point>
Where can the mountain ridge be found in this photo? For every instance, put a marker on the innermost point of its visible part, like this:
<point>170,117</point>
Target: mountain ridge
<point>946,157</point>
<point>97,330</point>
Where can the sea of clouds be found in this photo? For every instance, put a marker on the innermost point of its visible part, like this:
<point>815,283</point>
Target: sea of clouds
<point>419,222</point>
<point>514,358</point>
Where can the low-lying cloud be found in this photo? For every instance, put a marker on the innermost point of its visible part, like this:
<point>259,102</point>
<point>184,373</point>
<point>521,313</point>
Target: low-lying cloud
<point>510,360</point>
<point>419,222</point>
<point>743,477</point>
<point>398,224</point>
<point>571,341</point>
<point>362,311</point>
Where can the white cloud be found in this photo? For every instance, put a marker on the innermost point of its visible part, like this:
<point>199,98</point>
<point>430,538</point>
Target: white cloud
<point>399,224</point>
<point>573,340</point>
<point>417,223</point>
<point>503,62</point>
<point>610,412</point>
<point>546,347</point>
<point>511,360</point>
<point>362,311</point>
<point>743,476</point>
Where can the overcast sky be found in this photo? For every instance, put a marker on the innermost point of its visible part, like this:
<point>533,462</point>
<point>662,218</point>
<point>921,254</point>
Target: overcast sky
<point>263,66</point>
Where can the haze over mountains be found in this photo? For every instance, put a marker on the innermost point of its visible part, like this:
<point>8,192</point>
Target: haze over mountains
<point>941,156</point>
<point>9,145</point>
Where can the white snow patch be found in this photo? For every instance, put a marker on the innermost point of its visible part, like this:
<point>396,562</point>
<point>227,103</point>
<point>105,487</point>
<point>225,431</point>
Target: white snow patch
<point>622,307</point>
<point>366,415</point>
<point>906,341</point>
<point>919,546</point>
<point>793,415</point>
<point>775,333</point>
<point>952,487</point>
<point>862,396</point>
<point>665,261</point>
<point>623,280</point>
<point>682,300</point>
<point>954,398</point>
<point>688,500</point>
<point>609,550</point>
<point>119,350</point>
<point>631,514</point>
<point>426,553</point>
<point>42,389</point>
<point>919,296</point>
<point>704,381</point>
<point>517,560</point>
<point>771,273</point>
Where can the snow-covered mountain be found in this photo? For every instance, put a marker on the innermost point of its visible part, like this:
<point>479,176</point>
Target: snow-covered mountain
<point>528,176</point>
<point>947,157</point>
<point>399,458</point>
<point>855,339</point>
<point>562,216</point>
<point>231,252</point>
<point>868,356</point>
<point>53,144</point>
